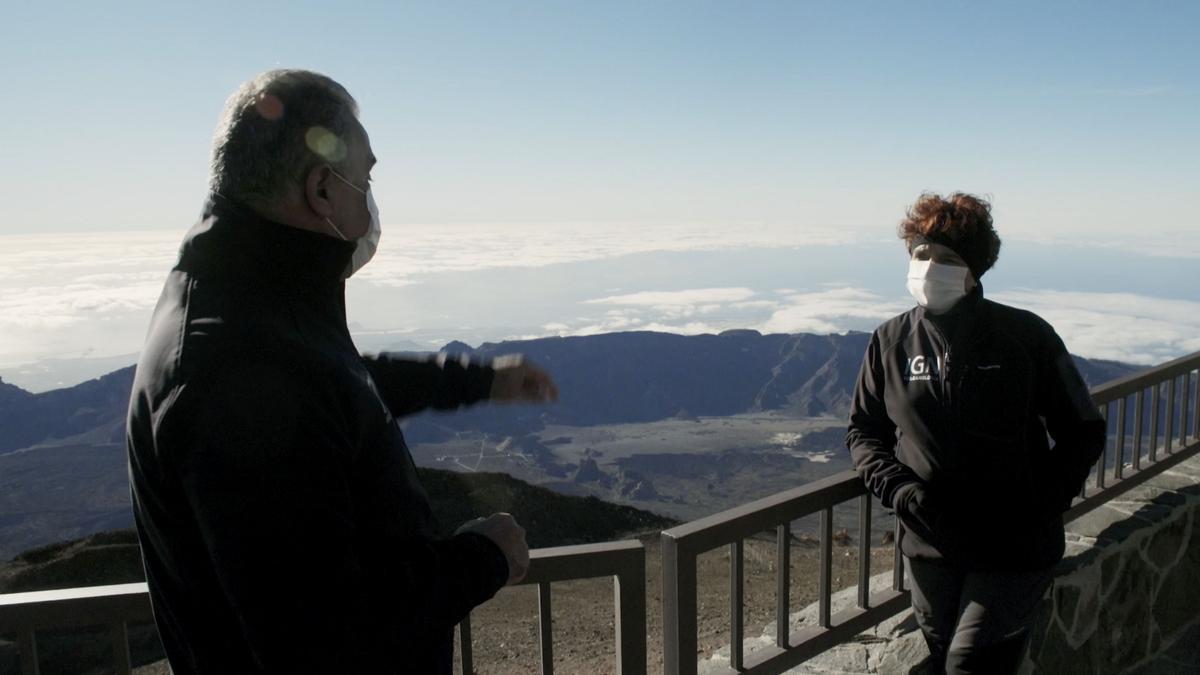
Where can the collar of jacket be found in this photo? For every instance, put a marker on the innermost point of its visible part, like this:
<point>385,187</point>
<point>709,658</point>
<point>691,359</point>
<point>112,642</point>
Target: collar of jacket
<point>961,311</point>
<point>233,241</point>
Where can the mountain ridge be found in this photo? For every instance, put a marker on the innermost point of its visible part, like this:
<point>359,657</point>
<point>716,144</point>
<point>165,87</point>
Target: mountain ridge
<point>62,455</point>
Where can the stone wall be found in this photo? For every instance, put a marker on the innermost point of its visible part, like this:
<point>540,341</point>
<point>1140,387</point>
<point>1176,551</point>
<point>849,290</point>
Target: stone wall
<point>1126,598</point>
<point>1128,589</point>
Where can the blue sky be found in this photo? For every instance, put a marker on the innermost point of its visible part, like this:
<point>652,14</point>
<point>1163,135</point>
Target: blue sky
<point>543,166</point>
<point>1077,117</point>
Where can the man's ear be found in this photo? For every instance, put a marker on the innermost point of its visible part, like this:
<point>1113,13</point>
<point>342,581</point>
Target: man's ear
<point>316,190</point>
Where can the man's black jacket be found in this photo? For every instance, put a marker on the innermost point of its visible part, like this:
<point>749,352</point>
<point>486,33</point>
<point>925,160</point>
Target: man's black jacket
<point>282,524</point>
<point>949,426</point>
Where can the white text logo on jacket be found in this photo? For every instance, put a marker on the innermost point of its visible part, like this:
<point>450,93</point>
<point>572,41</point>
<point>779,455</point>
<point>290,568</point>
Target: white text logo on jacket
<point>922,369</point>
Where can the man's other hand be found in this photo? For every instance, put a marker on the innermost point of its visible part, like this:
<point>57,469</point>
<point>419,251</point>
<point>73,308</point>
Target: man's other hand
<point>503,529</point>
<point>517,380</point>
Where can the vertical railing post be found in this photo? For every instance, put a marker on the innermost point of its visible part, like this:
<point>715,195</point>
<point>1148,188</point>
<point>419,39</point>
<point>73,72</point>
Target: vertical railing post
<point>1155,394</point>
<point>1119,467</point>
<point>897,559</point>
<point>679,608</point>
<point>466,664</point>
<point>1183,409</point>
<point>783,584</point>
<point>1196,412</point>
<point>1169,436</point>
<point>864,550</point>
<point>825,581</point>
<point>1100,463</point>
<point>27,643</point>
<point>736,603</point>
<point>120,644</point>
<point>1139,403</point>
<point>630,603</point>
<point>545,629</point>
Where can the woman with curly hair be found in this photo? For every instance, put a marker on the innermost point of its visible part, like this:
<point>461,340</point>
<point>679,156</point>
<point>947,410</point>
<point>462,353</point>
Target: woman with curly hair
<point>949,427</point>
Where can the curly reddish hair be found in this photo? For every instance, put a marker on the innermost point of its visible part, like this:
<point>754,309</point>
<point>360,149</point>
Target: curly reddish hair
<point>960,221</point>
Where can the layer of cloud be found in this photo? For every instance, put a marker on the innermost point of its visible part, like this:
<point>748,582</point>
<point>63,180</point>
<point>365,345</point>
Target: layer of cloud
<point>1117,326</point>
<point>686,298</point>
<point>1124,327</point>
<point>65,295</point>
<point>77,295</point>
<point>685,312</point>
<point>834,310</point>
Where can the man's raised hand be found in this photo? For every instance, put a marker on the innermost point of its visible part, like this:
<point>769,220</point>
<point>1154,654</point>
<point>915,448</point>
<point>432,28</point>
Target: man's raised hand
<point>517,380</point>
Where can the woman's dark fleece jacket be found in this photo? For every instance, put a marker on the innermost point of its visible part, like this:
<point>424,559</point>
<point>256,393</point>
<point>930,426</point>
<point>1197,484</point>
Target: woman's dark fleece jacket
<point>949,426</point>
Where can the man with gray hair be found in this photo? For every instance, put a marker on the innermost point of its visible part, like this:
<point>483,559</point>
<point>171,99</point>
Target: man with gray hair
<point>283,526</point>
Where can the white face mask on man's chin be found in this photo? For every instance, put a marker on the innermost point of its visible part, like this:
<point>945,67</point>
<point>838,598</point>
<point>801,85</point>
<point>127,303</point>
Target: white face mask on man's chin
<point>937,286</point>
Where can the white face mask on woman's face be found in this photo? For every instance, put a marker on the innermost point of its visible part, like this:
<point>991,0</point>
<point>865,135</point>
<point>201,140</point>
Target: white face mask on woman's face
<point>935,285</point>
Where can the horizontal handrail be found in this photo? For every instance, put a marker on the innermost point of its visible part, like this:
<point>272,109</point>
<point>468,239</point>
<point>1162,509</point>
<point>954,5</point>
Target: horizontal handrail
<point>1131,384</point>
<point>85,606</point>
<point>120,604</point>
<point>582,561</point>
<point>763,514</point>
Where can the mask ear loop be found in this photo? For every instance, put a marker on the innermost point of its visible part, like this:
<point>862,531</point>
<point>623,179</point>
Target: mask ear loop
<point>360,191</point>
<point>335,229</point>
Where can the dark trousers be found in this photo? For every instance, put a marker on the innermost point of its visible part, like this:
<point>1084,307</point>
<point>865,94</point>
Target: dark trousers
<point>974,622</point>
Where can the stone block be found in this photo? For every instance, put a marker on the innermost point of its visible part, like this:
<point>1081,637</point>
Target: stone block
<point>1176,603</point>
<point>1066,602</point>
<point>1057,656</point>
<point>1164,546</point>
<point>1123,624</point>
<point>1110,569</point>
<point>1081,625</point>
<point>902,654</point>
<point>1042,617</point>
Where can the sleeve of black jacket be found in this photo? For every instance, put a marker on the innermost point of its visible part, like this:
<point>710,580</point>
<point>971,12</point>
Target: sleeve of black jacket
<point>871,436</point>
<point>1072,419</point>
<point>410,384</point>
<point>263,462</point>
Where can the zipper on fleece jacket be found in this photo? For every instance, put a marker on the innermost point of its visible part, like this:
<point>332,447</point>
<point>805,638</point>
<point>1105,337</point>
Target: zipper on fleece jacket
<point>943,363</point>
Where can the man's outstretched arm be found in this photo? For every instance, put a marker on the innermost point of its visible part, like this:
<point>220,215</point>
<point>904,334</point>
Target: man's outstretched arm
<point>410,384</point>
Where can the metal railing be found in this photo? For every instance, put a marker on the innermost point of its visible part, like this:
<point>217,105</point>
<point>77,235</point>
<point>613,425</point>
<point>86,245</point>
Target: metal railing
<point>682,545</point>
<point>113,606</point>
<point>119,605</point>
<point>1115,472</point>
<point>624,561</point>
<point>1155,413</point>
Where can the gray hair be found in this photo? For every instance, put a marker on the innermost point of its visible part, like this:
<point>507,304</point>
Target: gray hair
<point>275,129</point>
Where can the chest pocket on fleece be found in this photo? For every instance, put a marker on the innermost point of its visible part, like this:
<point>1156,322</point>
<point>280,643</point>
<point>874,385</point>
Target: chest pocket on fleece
<point>995,397</point>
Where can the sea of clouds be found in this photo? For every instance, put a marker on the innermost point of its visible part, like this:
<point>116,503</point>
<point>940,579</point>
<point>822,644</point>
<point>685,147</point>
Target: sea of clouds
<point>77,305</point>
